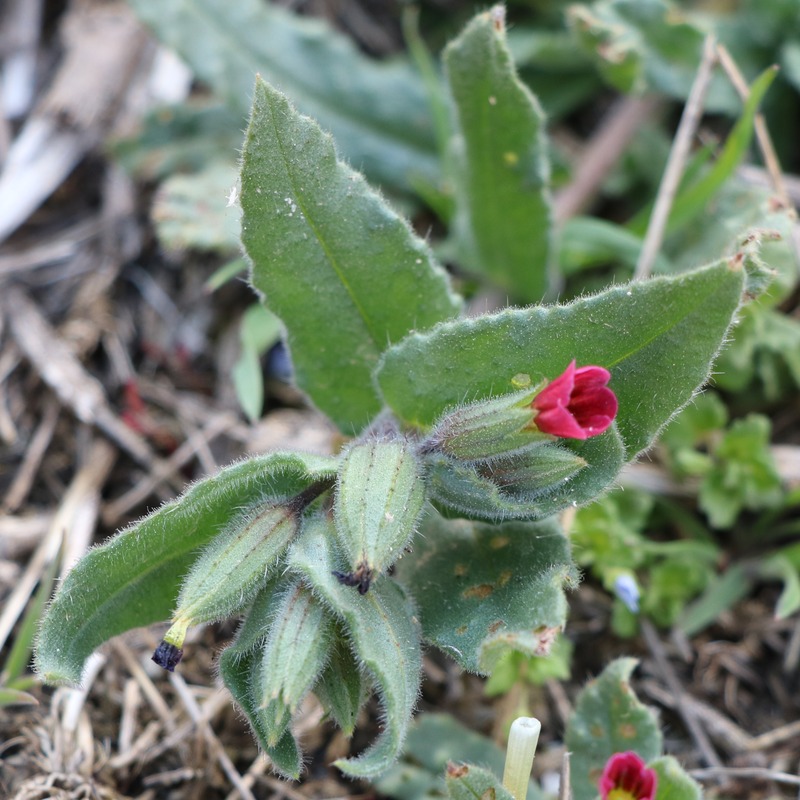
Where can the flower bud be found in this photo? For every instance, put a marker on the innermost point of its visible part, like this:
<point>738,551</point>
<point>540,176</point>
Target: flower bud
<point>295,653</point>
<point>379,499</point>
<point>231,569</point>
<point>486,429</point>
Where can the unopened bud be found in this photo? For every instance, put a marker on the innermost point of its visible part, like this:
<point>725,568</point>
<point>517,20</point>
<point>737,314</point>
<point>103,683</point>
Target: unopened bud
<point>379,499</point>
<point>487,429</point>
<point>295,653</point>
<point>229,572</point>
<point>534,473</point>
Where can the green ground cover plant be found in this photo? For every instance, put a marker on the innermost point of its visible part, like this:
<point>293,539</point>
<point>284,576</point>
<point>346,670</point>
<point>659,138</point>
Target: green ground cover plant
<point>441,522</point>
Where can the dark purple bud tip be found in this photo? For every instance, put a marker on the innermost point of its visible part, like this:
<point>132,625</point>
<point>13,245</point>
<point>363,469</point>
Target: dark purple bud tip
<point>361,579</point>
<point>167,656</point>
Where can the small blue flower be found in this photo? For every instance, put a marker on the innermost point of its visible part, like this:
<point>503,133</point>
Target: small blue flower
<point>628,591</point>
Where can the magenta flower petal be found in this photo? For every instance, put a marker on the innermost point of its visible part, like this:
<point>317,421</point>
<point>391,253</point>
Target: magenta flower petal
<point>626,774</point>
<point>577,404</point>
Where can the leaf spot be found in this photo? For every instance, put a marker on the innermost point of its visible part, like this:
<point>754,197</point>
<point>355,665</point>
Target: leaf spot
<point>479,592</point>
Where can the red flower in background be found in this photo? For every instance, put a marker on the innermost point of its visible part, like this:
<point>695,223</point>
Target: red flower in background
<point>577,404</point>
<point>625,777</point>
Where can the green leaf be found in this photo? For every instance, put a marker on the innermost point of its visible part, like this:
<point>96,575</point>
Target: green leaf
<point>468,782</point>
<point>587,242</point>
<point>345,274</point>
<point>182,138</point>
<point>133,579</point>
<point>641,45</point>
<point>260,330</point>
<point>384,634</point>
<point>673,782</point>
<point>240,667</point>
<point>502,226</point>
<point>486,589</point>
<point>744,474</point>
<point>340,688</point>
<point>781,567</point>
<point>377,111</point>
<point>14,697</point>
<point>193,211</point>
<point>722,593</point>
<point>657,337</point>
<point>691,201</point>
<point>608,719</point>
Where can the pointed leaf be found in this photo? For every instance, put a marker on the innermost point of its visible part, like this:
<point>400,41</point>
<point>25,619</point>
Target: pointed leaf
<point>657,337</point>
<point>608,719</point>
<point>345,274</point>
<point>133,579</point>
<point>485,589</point>
<point>376,110</point>
<point>340,688</point>
<point>673,782</point>
<point>503,217</point>
<point>384,635</point>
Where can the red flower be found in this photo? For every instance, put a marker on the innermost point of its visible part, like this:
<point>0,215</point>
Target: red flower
<point>625,777</point>
<point>577,404</point>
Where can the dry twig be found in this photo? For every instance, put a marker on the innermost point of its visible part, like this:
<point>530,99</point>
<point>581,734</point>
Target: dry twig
<point>676,162</point>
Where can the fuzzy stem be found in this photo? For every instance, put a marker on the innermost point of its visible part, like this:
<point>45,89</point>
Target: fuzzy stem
<point>522,740</point>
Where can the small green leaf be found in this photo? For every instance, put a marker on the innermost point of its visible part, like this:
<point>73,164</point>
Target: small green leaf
<point>193,211</point>
<point>744,474</point>
<point>691,201</point>
<point>468,782</point>
<point>657,337</point>
<point>503,220</point>
<point>376,110</point>
<point>340,688</point>
<point>608,719</point>
<point>722,593</point>
<point>133,579</point>
<point>384,634</point>
<point>14,697</point>
<point>641,45</point>
<point>485,589</point>
<point>345,274</point>
<point>781,567</point>
<point>673,782</point>
<point>260,330</point>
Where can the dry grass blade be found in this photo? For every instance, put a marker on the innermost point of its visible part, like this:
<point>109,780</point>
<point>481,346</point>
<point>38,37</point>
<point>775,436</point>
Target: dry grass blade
<point>676,161</point>
<point>61,370</point>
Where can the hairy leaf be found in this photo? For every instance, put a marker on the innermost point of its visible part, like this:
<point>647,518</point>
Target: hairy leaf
<point>384,635</point>
<point>345,274</point>
<point>608,719</point>
<point>486,589</point>
<point>377,111</point>
<point>503,225</point>
<point>658,338</point>
<point>133,579</point>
